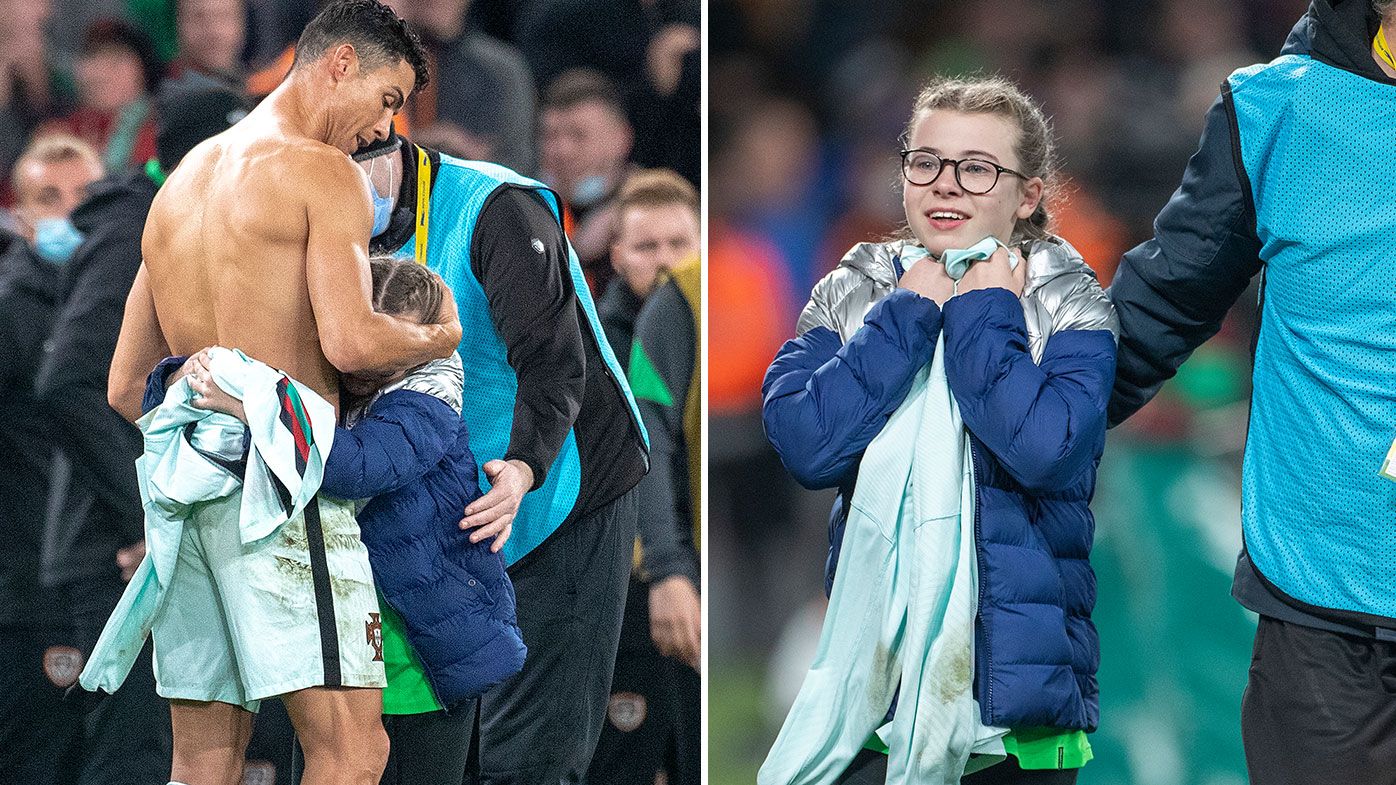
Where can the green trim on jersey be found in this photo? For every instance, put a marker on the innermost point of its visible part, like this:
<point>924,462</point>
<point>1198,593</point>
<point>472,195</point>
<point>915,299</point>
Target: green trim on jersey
<point>645,382</point>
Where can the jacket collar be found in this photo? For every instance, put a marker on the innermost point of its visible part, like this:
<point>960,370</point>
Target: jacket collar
<point>1339,33</point>
<point>1047,259</point>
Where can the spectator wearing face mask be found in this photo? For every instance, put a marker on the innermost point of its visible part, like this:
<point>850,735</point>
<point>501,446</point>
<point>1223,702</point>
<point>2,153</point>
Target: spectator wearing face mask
<point>39,734</point>
<point>91,550</point>
<point>585,143</point>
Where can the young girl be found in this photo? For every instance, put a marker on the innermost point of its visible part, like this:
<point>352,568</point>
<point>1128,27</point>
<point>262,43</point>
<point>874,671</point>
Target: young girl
<point>448,629</point>
<point>1029,343</point>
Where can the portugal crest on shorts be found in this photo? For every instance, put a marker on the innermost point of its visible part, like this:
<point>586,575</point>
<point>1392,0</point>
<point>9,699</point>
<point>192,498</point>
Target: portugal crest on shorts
<point>62,664</point>
<point>626,711</point>
<point>373,630</point>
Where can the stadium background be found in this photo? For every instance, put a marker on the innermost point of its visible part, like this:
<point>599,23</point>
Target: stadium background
<point>807,100</point>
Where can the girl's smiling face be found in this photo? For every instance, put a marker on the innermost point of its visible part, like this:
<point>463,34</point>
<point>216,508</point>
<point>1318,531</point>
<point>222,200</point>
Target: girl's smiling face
<point>943,215</point>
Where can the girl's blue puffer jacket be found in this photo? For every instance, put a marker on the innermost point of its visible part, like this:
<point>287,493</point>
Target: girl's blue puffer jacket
<point>409,453</point>
<point>1032,378</point>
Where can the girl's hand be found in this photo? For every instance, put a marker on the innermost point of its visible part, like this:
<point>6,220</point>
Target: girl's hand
<point>212,397</point>
<point>928,279</point>
<point>995,273</point>
<point>195,363</point>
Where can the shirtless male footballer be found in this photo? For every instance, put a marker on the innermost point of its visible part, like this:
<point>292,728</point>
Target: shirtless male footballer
<point>258,241</point>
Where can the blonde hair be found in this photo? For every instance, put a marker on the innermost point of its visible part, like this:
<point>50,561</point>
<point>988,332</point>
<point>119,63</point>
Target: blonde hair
<point>402,287</point>
<point>53,149</point>
<point>1035,148</point>
<point>657,188</point>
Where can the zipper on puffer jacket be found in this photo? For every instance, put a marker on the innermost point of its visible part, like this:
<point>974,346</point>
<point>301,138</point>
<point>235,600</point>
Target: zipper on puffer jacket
<point>988,708</point>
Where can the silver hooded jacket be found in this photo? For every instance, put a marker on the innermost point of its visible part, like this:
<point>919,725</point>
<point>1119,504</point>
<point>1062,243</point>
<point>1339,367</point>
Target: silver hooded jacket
<point>1061,293</point>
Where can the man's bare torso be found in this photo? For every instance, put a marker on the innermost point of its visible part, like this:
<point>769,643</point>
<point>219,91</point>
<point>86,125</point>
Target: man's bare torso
<point>225,250</point>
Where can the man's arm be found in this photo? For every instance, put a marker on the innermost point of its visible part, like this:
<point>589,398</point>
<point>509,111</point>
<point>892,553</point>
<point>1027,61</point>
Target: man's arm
<point>534,308</point>
<point>661,370</point>
<point>519,256</point>
<point>354,338</point>
<point>661,364</point>
<point>139,347</point>
<point>1172,292</point>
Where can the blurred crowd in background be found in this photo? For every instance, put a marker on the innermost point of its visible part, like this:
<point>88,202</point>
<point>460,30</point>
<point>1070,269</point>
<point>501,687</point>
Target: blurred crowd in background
<point>808,99</point>
<point>582,94</point>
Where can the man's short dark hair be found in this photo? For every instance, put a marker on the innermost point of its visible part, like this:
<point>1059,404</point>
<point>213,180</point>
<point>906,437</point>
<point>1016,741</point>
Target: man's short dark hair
<point>379,37</point>
<point>580,85</point>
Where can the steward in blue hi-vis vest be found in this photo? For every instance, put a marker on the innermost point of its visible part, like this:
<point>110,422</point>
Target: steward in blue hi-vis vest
<point>535,389</point>
<point>1293,176</point>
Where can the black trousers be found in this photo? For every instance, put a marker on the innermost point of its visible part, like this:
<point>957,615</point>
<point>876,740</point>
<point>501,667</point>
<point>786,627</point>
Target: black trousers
<point>653,719</point>
<point>423,749</point>
<point>428,749</point>
<point>870,768</point>
<point>126,735</point>
<point>40,733</point>
<point>542,725</point>
<point>1319,708</point>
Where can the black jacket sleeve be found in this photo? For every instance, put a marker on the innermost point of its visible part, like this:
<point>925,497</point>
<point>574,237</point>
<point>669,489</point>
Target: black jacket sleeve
<point>22,322</point>
<point>72,382</point>
<point>1172,292</point>
<point>519,255</point>
<point>664,350</point>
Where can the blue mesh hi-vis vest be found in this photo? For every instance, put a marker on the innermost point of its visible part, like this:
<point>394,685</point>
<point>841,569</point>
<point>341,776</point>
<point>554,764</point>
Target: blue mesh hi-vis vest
<point>1317,145</point>
<point>459,192</point>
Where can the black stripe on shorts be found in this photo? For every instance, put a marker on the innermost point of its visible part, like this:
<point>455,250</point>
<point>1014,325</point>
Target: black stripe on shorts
<point>324,594</point>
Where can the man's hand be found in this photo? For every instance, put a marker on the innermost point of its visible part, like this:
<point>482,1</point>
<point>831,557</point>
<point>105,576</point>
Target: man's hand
<point>129,558</point>
<point>928,279</point>
<point>665,56</point>
<point>448,316</point>
<point>676,619</point>
<point>995,272</point>
<point>492,515</point>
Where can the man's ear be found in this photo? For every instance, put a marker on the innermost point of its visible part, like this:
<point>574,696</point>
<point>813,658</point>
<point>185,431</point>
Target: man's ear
<point>343,62</point>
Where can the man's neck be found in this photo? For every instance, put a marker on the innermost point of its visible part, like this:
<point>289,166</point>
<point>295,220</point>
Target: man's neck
<point>291,104</point>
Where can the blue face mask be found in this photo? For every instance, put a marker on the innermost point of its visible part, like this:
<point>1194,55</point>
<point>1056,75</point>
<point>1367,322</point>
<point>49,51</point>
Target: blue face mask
<point>382,205</point>
<point>55,239</point>
<point>589,191</point>
<point>382,213</point>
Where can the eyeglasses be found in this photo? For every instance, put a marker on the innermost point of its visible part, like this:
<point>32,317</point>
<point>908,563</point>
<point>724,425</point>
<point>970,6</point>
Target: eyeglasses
<point>978,177</point>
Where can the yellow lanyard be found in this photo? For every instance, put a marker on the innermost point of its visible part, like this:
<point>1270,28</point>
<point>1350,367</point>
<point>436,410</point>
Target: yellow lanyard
<point>1383,49</point>
<point>423,206</point>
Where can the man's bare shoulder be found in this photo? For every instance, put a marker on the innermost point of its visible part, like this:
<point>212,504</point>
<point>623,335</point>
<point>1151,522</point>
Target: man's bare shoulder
<point>259,153</point>
<point>315,165</point>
